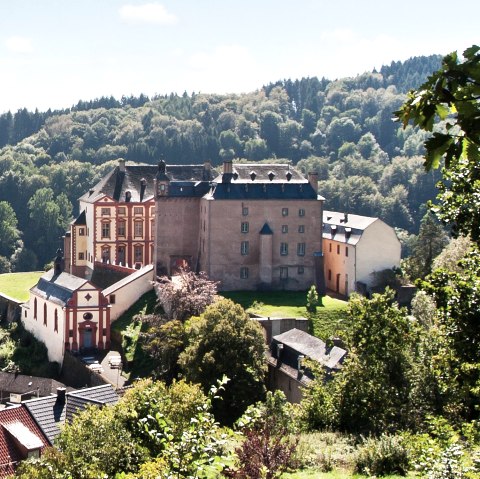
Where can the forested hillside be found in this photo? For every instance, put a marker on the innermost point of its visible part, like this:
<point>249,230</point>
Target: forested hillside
<point>343,129</point>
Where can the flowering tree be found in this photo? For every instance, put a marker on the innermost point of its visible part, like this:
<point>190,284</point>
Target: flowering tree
<point>186,295</point>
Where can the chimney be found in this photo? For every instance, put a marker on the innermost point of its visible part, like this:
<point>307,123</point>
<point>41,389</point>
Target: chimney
<point>227,171</point>
<point>313,180</point>
<point>121,165</point>
<point>58,263</point>
<point>61,392</point>
<point>207,168</point>
<point>345,217</point>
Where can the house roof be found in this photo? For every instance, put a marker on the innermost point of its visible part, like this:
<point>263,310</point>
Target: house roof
<point>312,347</point>
<point>81,219</point>
<point>17,428</point>
<point>262,181</point>
<point>139,181</point>
<point>57,288</point>
<point>343,227</point>
<point>21,384</point>
<point>50,412</point>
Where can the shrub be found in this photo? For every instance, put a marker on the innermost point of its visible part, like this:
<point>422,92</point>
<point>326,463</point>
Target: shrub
<point>383,455</point>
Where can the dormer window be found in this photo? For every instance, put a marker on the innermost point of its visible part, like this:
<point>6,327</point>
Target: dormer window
<point>128,196</point>
<point>288,176</point>
<point>253,175</point>
<point>271,175</point>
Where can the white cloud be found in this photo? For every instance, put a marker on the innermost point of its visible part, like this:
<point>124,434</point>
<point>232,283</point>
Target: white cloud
<point>17,44</point>
<point>147,13</point>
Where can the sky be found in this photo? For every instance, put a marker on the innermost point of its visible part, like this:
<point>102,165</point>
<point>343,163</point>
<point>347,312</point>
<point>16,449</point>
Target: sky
<point>54,53</point>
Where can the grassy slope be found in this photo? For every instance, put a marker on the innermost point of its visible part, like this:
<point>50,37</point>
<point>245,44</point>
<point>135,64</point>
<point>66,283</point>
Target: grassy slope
<point>17,285</point>
<point>280,303</point>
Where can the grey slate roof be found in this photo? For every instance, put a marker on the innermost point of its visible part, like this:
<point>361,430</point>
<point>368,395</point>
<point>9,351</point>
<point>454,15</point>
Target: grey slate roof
<point>336,228</point>
<point>264,173</point>
<point>21,384</point>
<point>262,191</point>
<point>81,219</point>
<point>312,347</point>
<point>50,412</point>
<point>116,183</point>
<point>57,288</point>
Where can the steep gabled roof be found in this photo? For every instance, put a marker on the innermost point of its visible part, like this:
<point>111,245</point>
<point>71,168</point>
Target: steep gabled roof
<point>17,428</point>
<point>58,288</point>
<point>139,181</point>
<point>51,412</point>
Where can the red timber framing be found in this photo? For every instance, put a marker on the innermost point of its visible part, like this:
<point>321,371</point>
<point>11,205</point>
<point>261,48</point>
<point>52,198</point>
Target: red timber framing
<point>122,248</point>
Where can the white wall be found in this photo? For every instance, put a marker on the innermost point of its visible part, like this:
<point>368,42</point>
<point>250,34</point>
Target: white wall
<point>378,249</point>
<point>53,340</point>
<point>128,290</point>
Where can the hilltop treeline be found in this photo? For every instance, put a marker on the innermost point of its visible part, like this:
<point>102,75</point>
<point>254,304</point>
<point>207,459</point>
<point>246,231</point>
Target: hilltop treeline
<point>343,129</point>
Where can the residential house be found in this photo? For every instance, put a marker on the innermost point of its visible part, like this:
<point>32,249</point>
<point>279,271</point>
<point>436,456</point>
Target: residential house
<point>53,411</point>
<point>17,387</point>
<point>354,248</point>
<point>20,438</point>
<point>287,370</point>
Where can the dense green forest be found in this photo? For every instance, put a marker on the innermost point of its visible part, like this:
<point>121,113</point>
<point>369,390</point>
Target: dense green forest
<point>343,129</point>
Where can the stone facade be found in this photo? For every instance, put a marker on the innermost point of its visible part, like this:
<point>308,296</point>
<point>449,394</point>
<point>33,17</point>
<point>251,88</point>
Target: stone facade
<point>254,226</point>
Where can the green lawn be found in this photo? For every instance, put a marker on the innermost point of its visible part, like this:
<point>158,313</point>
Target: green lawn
<point>280,303</point>
<point>17,285</point>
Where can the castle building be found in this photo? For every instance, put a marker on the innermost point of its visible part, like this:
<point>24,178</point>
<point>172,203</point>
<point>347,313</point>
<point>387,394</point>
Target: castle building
<point>115,225</point>
<point>254,226</point>
<point>251,226</point>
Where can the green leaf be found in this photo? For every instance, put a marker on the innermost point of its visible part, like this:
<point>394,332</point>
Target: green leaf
<point>436,147</point>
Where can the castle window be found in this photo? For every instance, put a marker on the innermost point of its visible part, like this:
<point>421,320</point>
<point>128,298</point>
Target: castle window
<point>330,247</point>
<point>301,212</point>
<point>284,228</point>
<point>35,308</point>
<point>301,249</point>
<point>44,314</point>
<point>138,229</point>
<point>137,210</point>
<point>138,253</point>
<point>329,275</point>
<point>122,210</point>
<point>244,227</point>
<point>105,211</point>
<point>244,248</point>
<point>81,256</point>
<point>284,249</point>
<point>244,272</point>
<point>283,272</point>
<point>106,229</point>
<point>301,228</point>
<point>300,270</point>
<point>121,228</point>
<point>81,231</point>
<point>70,333</point>
<point>112,299</point>
<point>338,249</point>
<point>284,211</point>
<point>245,211</point>
<point>346,251</point>
<point>55,323</point>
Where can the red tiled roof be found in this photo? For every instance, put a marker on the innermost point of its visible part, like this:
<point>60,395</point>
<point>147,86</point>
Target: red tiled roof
<point>10,453</point>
